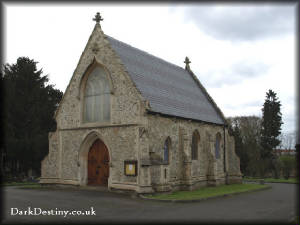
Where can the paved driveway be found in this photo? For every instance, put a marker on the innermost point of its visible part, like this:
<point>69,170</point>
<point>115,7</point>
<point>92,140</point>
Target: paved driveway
<point>273,205</point>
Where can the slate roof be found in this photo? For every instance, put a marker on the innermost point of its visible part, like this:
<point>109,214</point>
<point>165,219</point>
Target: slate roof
<point>170,89</point>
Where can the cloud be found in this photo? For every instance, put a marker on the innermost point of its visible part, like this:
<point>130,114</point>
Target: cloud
<point>289,122</point>
<point>248,104</point>
<point>243,22</point>
<point>236,73</point>
<point>249,70</point>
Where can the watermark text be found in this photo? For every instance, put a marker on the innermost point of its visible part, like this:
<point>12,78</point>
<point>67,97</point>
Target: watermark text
<point>52,212</point>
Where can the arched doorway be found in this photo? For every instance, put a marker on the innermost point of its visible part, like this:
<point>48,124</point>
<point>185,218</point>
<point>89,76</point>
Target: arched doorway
<point>98,164</point>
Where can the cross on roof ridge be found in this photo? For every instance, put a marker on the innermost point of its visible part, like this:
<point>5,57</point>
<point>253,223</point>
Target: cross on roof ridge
<point>187,63</point>
<point>98,17</point>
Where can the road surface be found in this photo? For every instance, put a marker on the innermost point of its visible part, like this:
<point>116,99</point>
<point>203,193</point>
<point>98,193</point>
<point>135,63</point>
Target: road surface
<point>272,205</point>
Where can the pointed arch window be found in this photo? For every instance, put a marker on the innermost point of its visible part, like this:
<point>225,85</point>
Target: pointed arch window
<point>167,146</point>
<point>217,145</point>
<point>97,97</point>
<point>195,143</point>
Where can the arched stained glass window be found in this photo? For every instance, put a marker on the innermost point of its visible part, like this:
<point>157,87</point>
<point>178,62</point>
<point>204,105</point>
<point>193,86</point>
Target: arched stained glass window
<point>97,97</point>
<point>195,143</point>
<point>167,150</point>
<point>217,145</point>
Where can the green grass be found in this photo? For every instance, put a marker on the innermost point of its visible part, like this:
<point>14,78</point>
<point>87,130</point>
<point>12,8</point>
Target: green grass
<point>280,180</point>
<point>22,184</point>
<point>207,192</point>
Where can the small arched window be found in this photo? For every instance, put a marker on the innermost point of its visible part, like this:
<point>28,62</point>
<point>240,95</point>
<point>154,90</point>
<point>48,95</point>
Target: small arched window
<point>195,143</point>
<point>217,145</point>
<point>167,146</point>
<point>97,97</point>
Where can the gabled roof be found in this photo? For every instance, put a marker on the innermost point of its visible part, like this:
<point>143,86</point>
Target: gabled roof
<point>170,89</point>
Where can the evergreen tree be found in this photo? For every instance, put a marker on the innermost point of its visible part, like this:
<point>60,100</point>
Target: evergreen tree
<point>270,131</point>
<point>29,105</point>
<point>271,124</point>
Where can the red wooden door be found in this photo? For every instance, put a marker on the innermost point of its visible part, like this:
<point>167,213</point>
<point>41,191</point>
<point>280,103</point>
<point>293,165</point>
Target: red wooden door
<point>98,164</point>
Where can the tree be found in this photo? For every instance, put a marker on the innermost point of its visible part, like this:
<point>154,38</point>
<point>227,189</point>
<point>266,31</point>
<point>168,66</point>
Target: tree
<point>288,163</point>
<point>287,140</point>
<point>246,131</point>
<point>239,147</point>
<point>29,105</point>
<point>271,129</point>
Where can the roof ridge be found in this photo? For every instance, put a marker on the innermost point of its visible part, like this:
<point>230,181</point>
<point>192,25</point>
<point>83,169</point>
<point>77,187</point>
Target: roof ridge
<point>172,64</point>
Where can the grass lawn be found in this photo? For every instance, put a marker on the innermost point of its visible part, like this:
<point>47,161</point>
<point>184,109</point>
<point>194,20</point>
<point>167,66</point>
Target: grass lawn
<point>207,192</point>
<point>280,180</point>
<point>23,184</point>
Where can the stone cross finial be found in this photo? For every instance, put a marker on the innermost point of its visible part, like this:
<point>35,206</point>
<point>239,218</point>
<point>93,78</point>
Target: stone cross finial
<point>187,63</point>
<point>98,18</point>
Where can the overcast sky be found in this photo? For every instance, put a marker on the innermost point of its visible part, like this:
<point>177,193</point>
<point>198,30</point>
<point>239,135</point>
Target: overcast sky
<point>238,51</point>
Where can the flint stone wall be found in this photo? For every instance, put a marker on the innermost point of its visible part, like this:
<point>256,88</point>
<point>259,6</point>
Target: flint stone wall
<point>121,144</point>
<point>120,134</point>
<point>181,169</point>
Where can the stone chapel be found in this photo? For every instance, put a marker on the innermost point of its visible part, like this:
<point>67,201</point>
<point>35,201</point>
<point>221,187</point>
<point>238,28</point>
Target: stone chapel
<point>131,121</point>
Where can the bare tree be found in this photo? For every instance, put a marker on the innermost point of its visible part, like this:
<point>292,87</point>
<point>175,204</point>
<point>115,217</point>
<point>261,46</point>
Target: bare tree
<point>288,140</point>
<point>246,130</point>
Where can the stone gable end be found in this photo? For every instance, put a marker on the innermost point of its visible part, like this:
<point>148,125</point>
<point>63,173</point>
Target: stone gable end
<point>126,101</point>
